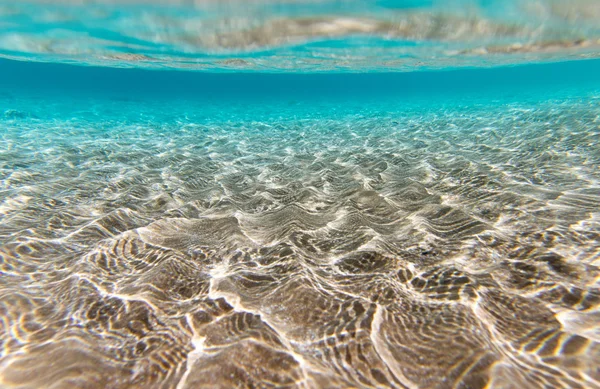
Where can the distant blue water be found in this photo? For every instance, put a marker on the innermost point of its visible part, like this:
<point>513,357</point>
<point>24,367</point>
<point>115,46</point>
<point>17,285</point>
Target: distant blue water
<point>68,87</point>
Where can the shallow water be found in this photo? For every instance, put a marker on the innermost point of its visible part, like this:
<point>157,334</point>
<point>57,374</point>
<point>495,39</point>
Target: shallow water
<point>169,229</point>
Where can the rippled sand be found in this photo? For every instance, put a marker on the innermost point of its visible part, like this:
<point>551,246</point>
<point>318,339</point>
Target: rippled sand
<point>440,248</point>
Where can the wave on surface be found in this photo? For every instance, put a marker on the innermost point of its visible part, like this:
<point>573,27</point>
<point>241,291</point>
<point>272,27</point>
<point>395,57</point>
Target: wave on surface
<point>299,36</point>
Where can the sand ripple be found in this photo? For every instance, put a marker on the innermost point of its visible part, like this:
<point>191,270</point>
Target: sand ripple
<point>454,248</point>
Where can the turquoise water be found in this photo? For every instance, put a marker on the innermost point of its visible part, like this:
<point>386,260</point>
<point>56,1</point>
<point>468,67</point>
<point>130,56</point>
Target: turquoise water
<point>299,195</point>
<point>299,36</point>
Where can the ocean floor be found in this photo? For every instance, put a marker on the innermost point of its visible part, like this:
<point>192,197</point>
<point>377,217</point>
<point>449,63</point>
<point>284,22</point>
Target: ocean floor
<point>358,231</point>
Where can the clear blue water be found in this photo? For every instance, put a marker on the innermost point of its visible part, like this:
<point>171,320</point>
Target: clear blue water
<point>299,36</point>
<point>299,195</point>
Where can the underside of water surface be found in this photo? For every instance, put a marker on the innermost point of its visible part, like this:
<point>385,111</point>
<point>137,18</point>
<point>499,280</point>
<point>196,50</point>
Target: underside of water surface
<point>336,194</point>
<point>299,35</point>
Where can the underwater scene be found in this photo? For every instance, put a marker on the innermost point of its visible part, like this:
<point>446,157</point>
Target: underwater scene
<point>299,194</point>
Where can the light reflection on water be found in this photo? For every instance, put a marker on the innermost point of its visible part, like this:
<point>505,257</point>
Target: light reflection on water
<point>300,35</point>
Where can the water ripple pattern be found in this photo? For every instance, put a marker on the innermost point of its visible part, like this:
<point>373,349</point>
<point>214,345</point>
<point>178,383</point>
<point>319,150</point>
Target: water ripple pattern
<point>452,247</point>
<point>299,35</point>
